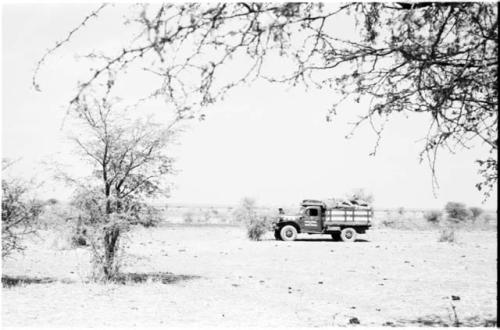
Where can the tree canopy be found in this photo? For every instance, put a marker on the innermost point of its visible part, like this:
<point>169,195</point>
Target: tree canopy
<point>435,59</point>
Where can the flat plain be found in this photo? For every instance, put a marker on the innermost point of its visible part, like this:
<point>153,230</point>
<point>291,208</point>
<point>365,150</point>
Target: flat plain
<point>215,276</point>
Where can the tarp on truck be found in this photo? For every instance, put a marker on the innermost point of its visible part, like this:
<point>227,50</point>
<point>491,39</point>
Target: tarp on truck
<point>332,203</point>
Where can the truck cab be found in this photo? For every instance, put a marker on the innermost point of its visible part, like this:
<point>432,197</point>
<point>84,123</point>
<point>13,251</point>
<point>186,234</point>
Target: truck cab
<point>343,220</point>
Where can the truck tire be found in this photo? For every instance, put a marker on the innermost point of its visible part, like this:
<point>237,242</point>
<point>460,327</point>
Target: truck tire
<point>277,235</point>
<point>288,233</point>
<point>336,236</point>
<point>348,235</point>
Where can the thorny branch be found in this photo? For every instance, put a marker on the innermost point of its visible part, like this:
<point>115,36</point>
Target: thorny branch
<point>433,59</point>
<point>60,43</point>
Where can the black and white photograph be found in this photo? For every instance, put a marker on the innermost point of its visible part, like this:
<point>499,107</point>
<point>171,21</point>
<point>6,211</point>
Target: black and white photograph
<point>249,164</point>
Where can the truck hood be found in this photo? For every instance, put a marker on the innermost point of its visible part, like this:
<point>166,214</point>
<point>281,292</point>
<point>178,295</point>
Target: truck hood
<point>289,217</point>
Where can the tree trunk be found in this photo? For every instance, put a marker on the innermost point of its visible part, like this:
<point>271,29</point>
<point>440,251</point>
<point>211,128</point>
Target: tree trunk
<point>107,193</point>
<point>110,247</point>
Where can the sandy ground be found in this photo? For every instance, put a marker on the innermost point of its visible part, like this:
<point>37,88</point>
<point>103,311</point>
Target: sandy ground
<point>389,277</point>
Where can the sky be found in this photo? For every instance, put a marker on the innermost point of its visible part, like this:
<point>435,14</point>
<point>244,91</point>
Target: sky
<point>268,142</point>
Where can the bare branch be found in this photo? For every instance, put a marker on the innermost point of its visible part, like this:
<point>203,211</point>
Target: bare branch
<point>60,43</point>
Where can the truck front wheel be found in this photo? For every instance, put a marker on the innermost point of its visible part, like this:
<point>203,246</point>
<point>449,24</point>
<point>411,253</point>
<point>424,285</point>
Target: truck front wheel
<point>348,235</point>
<point>288,233</point>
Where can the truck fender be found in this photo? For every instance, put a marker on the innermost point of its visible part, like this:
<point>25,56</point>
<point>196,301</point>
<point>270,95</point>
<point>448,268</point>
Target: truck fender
<point>293,223</point>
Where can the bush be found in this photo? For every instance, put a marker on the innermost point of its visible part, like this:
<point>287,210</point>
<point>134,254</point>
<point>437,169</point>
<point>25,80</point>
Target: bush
<point>387,222</point>
<point>52,201</point>
<point>476,212</point>
<point>456,215</point>
<point>433,216</point>
<point>19,214</point>
<point>246,213</point>
<point>188,217</point>
<point>145,215</point>
<point>256,228</point>
<point>447,234</point>
<point>488,218</point>
<point>457,212</point>
<point>207,216</point>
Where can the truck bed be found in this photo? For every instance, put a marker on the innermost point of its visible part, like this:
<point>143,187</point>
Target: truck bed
<point>351,216</point>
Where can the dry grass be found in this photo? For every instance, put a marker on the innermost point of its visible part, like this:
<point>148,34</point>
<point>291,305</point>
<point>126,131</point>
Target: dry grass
<point>215,276</point>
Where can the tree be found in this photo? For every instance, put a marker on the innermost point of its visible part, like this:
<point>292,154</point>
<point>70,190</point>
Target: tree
<point>129,162</point>
<point>456,215</point>
<point>433,59</point>
<point>457,212</point>
<point>19,212</point>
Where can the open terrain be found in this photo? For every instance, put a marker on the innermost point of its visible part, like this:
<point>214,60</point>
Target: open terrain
<point>217,277</point>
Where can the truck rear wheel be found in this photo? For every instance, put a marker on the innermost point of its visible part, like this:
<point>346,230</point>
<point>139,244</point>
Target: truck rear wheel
<point>288,233</point>
<point>336,236</point>
<point>348,235</point>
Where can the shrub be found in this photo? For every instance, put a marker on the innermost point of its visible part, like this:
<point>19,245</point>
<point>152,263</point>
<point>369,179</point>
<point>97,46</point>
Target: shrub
<point>19,214</point>
<point>188,217</point>
<point>447,234</point>
<point>145,215</point>
<point>223,218</point>
<point>488,218</point>
<point>433,216</point>
<point>456,215</point>
<point>457,212</point>
<point>206,216</point>
<point>476,212</point>
<point>387,222</point>
<point>257,227</point>
<point>246,213</point>
<point>52,201</point>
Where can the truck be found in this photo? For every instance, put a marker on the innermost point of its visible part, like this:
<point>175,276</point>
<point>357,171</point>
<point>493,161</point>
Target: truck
<point>342,220</point>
